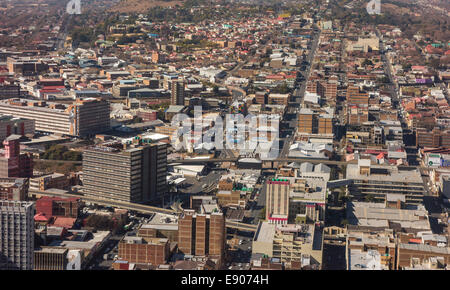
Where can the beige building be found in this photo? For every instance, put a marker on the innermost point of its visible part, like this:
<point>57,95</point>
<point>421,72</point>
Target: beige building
<point>290,243</point>
<point>277,200</point>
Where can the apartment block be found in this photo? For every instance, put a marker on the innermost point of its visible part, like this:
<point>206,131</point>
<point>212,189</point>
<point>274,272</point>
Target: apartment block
<point>432,138</point>
<point>356,97</point>
<point>201,234</point>
<point>16,235</point>
<point>306,121</point>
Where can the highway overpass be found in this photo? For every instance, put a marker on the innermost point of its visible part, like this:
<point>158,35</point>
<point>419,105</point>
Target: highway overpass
<point>141,208</point>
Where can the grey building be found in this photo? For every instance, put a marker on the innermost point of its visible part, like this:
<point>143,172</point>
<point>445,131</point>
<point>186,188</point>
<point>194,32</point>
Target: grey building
<point>125,172</point>
<point>16,235</point>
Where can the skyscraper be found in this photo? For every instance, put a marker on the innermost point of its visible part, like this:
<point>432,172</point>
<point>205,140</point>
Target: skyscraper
<point>178,92</point>
<point>201,234</point>
<point>16,235</point>
<point>125,172</point>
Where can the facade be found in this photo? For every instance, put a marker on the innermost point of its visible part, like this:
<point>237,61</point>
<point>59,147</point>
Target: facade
<point>290,243</point>
<point>58,206</point>
<point>17,235</point>
<point>177,97</point>
<point>15,189</point>
<point>201,234</point>
<point>15,126</point>
<point>277,200</point>
<point>83,117</point>
<point>125,172</point>
<point>50,259</point>
<point>410,256</point>
<point>55,180</point>
<point>12,162</point>
<point>9,91</point>
<point>140,250</point>
<point>378,180</point>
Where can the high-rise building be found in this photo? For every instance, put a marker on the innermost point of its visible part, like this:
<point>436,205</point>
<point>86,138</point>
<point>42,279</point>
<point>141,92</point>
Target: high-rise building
<point>16,235</point>
<point>12,163</point>
<point>277,200</point>
<point>357,97</point>
<point>178,92</point>
<point>9,91</point>
<point>125,172</point>
<point>305,121</point>
<point>83,117</point>
<point>201,234</point>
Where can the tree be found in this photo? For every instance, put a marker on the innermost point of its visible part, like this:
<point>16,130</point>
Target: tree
<point>262,213</point>
<point>369,198</point>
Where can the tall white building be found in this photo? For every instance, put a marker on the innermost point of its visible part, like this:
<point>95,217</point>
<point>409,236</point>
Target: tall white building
<point>16,235</point>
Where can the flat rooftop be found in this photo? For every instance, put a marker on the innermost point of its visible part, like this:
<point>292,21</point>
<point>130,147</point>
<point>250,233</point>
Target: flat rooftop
<point>384,174</point>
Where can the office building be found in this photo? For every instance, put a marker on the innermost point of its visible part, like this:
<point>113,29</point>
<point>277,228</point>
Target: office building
<point>376,181</point>
<point>81,118</point>
<point>125,172</point>
<point>17,235</point>
<point>177,88</point>
<point>201,234</point>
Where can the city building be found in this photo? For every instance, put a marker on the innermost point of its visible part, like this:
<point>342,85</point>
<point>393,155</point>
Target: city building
<point>17,235</point>
<point>12,162</point>
<point>277,200</point>
<point>178,94</point>
<point>51,259</point>
<point>290,243</point>
<point>15,189</point>
<point>15,126</point>
<point>83,117</point>
<point>370,251</point>
<point>58,206</point>
<point>376,181</point>
<point>141,250</point>
<point>132,172</point>
<point>201,234</point>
